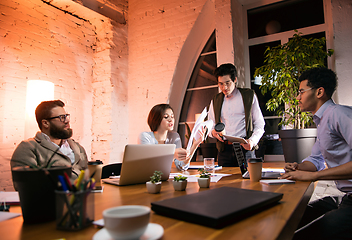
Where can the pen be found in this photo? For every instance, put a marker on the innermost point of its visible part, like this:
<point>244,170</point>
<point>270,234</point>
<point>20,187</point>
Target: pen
<point>77,185</point>
<point>68,181</point>
<point>63,183</point>
<point>79,180</point>
<point>92,184</point>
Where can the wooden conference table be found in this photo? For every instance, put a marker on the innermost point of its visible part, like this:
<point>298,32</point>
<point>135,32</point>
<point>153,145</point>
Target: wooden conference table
<point>277,222</point>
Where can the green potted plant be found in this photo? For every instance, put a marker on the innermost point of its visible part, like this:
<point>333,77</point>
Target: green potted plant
<point>36,187</point>
<point>180,183</point>
<point>204,178</point>
<point>279,75</point>
<point>154,185</point>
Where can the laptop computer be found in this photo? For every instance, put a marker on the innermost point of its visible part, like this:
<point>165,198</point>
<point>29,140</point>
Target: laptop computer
<point>141,160</point>
<point>216,207</point>
<point>267,173</point>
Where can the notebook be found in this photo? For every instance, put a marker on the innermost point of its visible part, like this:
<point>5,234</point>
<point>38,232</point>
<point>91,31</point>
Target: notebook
<point>217,207</point>
<point>267,173</point>
<point>141,160</point>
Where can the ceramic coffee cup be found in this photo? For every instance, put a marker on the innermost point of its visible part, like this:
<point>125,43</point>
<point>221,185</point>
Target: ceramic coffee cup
<point>126,222</point>
<point>255,169</point>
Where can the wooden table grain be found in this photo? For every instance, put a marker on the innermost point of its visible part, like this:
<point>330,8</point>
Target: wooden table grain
<point>277,222</point>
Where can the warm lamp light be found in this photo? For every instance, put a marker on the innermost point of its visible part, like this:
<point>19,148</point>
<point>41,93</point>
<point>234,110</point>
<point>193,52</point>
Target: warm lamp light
<point>37,91</point>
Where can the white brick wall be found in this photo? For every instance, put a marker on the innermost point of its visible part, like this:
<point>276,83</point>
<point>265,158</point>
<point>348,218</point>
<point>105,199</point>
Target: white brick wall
<point>156,33</point>
<point>38,41</point>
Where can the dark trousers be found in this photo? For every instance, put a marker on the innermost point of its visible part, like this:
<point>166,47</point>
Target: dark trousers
<point>227,158</point>
<point>326,219</point>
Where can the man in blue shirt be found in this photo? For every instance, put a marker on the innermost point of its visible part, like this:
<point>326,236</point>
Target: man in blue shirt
<point>326,218</point>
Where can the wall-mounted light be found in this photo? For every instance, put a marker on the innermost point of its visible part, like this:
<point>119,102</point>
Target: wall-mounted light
<point>37,91</point>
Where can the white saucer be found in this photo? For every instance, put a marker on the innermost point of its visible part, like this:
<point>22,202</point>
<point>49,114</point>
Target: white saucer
<point>154,231</point>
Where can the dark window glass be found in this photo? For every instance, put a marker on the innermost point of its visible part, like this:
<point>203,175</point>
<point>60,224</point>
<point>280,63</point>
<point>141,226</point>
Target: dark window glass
<point>284,16</point>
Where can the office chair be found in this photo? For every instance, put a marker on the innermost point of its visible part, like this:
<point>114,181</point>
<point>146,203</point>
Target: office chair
<point>112,169</point>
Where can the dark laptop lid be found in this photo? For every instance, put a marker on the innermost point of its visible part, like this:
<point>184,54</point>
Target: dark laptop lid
<point>217,207</point>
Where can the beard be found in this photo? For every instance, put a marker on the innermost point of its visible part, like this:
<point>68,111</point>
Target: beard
<point>60,133</point>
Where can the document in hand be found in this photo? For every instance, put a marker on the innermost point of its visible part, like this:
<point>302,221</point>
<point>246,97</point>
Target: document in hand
<point>198,127</point>
<point>235,139</point>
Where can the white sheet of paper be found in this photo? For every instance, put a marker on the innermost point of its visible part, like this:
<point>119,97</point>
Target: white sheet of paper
<point>99,222</point>
<point>198,126</point>
<point>194,178</point>
<point>202,166</point>
<point>235,139</point>
<point>9,197</point>
<point>276,181</point>
<point>8,215</point>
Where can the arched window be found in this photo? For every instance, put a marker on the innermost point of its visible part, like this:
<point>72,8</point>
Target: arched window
<point>201,88</point>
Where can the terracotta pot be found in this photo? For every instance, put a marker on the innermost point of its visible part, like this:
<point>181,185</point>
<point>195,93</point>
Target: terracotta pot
<point>180,185</point>
<point>153,187</point>
<point>204,182</point>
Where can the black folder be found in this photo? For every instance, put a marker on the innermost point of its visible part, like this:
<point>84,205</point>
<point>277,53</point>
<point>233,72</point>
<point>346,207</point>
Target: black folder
<point>217,207</point>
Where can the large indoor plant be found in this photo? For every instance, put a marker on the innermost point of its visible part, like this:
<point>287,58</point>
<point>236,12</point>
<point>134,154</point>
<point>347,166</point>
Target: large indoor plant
<point>279,75</point>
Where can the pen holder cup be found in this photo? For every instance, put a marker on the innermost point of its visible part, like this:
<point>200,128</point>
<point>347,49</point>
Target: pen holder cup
<point>74,210</point>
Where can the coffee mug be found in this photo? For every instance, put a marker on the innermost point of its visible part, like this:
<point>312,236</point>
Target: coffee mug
<point>255,169</point>
<point>96,168</point>
<point>126,222</point>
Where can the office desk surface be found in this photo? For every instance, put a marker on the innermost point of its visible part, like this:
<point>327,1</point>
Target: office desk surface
<point>277,222</point>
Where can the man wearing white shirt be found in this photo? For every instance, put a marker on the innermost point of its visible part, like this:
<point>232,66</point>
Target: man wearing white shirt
<point>239,110</point>
<point>53,144</point>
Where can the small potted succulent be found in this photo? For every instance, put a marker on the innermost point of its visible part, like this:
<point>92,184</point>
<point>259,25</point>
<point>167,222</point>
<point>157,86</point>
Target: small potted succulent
<point>180,183</point>
<point>204,178</point>
<point>154,185</point>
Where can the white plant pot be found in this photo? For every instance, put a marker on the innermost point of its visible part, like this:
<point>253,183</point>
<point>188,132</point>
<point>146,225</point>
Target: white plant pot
<point>153,187</point>
<point>180,185</point>
<point>204,182</point>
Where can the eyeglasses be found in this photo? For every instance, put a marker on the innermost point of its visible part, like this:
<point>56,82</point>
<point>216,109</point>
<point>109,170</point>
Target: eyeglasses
<point>304,90</point>
<point>63,118</point>
<point>227,84</point>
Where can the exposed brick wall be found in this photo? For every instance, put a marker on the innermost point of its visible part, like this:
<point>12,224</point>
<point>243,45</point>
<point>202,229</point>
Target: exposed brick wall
<point>110,108</point>
<point>156,33</point>
<point>38,41</point>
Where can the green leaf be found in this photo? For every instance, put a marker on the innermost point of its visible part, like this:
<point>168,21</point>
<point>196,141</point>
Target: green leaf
<point>283,65</point>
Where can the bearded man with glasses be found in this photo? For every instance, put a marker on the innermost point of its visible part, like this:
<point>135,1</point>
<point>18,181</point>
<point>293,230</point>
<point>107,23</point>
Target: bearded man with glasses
<point>53,142</point>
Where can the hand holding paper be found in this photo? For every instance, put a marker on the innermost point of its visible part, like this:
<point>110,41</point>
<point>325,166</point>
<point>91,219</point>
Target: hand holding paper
<point>197,131</point>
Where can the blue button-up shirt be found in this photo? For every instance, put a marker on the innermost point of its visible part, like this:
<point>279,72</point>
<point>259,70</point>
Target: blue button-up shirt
<point>334,139</point>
